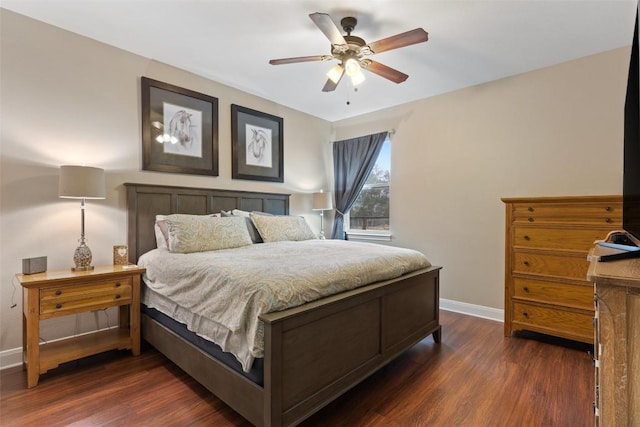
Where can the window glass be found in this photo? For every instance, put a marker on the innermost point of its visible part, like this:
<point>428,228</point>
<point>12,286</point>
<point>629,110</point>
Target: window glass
<point>370,212</point>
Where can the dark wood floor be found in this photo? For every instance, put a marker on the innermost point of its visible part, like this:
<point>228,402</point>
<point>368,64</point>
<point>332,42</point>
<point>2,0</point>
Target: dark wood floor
<point>475,377</point>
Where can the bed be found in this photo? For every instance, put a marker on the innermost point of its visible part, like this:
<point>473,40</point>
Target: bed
<point>313,353</point>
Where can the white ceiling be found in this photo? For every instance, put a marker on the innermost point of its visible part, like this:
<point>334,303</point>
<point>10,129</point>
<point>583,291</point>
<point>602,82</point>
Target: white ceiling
<point>231,41</point>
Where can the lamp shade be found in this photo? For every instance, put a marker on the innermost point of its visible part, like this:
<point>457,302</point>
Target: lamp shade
<point>81,182</point>
<point>322,201</point>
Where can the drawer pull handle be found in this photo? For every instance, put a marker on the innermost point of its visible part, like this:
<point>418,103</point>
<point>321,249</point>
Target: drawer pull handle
<point>525,314</point>
<point>527,238</point>
<point>526,263</point>
<point>58,292</point>
<point>58,306</point>
<point>118,296</point>
<point>607,220</point>
<point>526,289</point>
<point>530,209</point>
<point>608,209</point>
<point>530,219</point>
<point>117,284</point>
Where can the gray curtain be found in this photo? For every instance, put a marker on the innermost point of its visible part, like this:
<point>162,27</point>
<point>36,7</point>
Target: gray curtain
<point>353,160</point>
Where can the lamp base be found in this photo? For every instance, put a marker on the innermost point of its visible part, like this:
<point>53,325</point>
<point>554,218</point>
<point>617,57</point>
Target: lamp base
<point>82,258</point>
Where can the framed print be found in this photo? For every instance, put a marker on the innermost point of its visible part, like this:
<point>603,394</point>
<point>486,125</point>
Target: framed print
<point>256,145</point>
<point>179,129</point>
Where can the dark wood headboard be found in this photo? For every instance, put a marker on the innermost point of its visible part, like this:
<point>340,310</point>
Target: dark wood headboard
<point>145,201</point>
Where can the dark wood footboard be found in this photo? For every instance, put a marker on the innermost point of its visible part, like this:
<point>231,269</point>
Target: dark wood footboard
<point>316,352</point>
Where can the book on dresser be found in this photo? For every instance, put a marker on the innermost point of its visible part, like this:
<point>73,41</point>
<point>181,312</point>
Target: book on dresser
<point>547,241</point>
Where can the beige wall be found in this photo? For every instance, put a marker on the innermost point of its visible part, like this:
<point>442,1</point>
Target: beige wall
<point>69,100</point>
<point>552,132</point>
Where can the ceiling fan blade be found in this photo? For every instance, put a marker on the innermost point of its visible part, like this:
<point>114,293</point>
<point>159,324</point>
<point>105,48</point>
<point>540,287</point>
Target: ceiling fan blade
<point>328,28</point>
<point>300,59</point>
<point>399,40</point>
<point>384,71</point>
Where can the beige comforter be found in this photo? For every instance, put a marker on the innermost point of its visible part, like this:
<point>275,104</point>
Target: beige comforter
<point>227,290</point>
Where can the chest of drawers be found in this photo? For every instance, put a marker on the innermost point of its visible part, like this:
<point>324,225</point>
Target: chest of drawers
<point>547,240</point>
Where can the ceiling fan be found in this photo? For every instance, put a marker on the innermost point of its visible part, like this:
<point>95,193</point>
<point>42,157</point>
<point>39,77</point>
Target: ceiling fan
<point>351,51</point>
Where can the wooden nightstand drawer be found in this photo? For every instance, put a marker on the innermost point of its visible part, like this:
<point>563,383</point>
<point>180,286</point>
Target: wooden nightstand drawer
<point>564,323</point>
<point>560,266</point>
<point>565,294</point>
<point>68,299</point>
<point>553,238</point>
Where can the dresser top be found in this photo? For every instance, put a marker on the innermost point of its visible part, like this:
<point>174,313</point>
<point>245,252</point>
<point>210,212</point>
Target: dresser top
<point>624,273</point>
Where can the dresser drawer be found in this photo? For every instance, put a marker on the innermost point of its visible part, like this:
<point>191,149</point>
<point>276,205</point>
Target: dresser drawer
<point>560,266</point>
<point>556,321</point>
<point>63,299</point>
<point>575,239</point>
<point>596,213</point>
<point>563,294</point>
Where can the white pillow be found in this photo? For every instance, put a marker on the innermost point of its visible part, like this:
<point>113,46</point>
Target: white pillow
<point>276,228</point>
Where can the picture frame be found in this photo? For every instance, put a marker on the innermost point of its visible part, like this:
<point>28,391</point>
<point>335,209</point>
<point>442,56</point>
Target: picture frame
<point>256,145</point>
<point>120,255</point>
<point>179,129</point>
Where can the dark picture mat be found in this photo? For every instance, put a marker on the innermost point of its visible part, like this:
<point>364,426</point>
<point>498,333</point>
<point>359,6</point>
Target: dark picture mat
<point>240,117</point>
<point>154,95</point>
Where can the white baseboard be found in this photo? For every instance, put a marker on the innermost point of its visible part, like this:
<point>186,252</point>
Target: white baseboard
<point>10,358</point>
<point>13,357</point>
<point>472,309</point>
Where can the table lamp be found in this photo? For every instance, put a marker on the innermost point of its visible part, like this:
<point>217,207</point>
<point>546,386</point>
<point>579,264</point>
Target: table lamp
<point>322,202</point>
<point>81,182</point>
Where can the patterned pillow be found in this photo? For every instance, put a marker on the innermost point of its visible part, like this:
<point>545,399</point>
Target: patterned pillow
<point>199,233</point>
<point>276,228</point>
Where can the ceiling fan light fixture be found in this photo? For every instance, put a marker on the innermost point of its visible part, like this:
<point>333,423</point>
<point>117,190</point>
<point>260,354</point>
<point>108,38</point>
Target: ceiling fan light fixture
<point>357,78</point>
<point>352,67</point>
<point>335,73</point>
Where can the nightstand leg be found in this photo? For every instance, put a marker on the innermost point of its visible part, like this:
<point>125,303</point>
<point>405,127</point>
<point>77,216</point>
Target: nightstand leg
<point>31,335</point>
<point>134,315</point>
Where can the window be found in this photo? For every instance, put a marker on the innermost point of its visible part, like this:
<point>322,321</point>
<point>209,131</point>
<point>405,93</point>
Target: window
<point>370,212</point>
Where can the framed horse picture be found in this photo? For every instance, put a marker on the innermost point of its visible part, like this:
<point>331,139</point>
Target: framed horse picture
<point>179,129</point>
<point>256,145</point>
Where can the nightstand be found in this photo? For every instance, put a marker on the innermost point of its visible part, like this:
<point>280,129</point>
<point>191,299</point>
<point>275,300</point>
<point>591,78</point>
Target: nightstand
<point>62,293</point>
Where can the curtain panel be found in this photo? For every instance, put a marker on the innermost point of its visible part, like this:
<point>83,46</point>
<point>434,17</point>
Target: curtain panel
<point>353,160</point>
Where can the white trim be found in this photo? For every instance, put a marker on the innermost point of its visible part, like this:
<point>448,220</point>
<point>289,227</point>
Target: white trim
<point>368,237</point>
<point>472,310</point>
<point>10,358</point>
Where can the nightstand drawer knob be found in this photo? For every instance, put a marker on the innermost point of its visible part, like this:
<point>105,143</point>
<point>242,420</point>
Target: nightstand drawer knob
<point>117,284</point>
<point>118,296</point>
<point>608,209</point>
<point>530,219</point>
<point>527,238</point>
<point>58,292</point>
<point>525,314</point>
<point>530,209</point>
<point>526,289</point>
<point>526,263</point>
<point>608,220</point>
<point>58,306</point>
